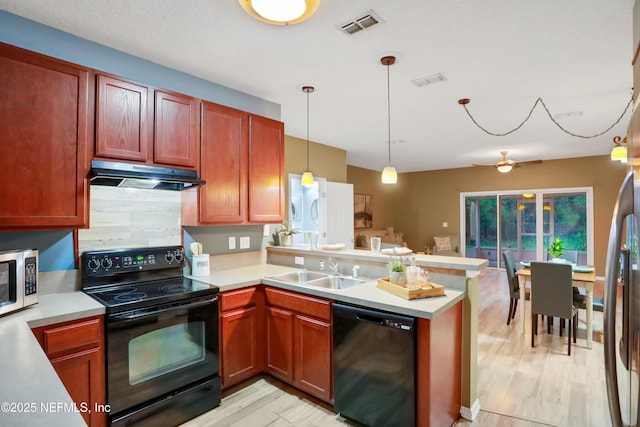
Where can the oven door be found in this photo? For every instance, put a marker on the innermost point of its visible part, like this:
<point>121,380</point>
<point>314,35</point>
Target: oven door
<point>156,350</point>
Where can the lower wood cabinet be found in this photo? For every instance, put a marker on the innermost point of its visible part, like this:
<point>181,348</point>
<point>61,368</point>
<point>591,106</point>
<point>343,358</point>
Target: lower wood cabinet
<point>299,341</point>
<point>283,333</point>
<point>312,359</point>
<point>241,334</point>
<point>76,352</point>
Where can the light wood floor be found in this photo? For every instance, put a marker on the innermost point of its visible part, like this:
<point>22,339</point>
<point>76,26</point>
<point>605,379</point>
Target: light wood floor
<point>518,386</point>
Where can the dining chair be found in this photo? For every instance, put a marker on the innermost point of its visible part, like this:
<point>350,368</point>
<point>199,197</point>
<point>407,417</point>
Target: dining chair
<point>512,283</point>
<point>552,295</point>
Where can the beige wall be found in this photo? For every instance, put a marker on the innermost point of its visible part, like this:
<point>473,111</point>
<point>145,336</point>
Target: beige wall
<point>324,161</point>
<point>422,201</point>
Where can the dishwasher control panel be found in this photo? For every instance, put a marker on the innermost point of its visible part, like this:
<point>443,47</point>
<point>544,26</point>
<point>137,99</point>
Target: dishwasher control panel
<point>398,325</point>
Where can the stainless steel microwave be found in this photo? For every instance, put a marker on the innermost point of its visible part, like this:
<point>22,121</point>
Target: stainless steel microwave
<point>18,279</point>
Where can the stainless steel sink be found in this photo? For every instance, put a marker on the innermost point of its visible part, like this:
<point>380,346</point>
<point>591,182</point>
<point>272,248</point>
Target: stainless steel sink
<point>299,276</point>
<point>336,282</point>
<point>317,279</point>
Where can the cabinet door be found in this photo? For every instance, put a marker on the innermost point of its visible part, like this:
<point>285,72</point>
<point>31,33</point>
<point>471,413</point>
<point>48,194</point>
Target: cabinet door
<point>266,170</point>
<point>313,371</point>
<point>241,343</point>
<point>279,343</point>
<point>223,199</point>
<point>83,376</point>
<point>121,119</point>
<point>45,133</point>
<point>176,130</point>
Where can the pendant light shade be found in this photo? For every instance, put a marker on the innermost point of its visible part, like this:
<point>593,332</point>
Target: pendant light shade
<point>619,151</point>
<point>307,176</point>
<point>389,174</point>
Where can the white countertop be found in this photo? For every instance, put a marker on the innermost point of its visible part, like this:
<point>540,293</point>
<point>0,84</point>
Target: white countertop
<point>31,393</point>
<point>29,382</point>
<point>366,294</point>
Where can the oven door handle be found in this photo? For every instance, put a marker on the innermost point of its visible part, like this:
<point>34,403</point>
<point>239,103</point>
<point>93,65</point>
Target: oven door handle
<point>152,311</point>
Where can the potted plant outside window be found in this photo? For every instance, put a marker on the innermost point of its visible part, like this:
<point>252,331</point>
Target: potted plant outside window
<point>286,233</point>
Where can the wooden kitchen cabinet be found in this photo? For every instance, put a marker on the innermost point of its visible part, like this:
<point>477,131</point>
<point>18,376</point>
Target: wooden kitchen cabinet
<point>243,165</point>
<point>241,333</point>
<point>76,352</point>
<point>46,121</point>
<point>133,127</point>
<point>279,343</point>
<point>299,341</point>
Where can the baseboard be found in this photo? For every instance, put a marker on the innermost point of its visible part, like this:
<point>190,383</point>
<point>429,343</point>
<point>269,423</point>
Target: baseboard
<point>470,413</point>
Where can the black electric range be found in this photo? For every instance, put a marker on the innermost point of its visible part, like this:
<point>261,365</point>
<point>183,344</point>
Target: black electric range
<point>161,335</point>
<point>128,279</point>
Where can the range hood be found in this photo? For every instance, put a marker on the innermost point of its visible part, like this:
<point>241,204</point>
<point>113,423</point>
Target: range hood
<point>130,175</point>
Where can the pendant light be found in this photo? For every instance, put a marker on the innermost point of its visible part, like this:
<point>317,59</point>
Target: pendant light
<point>389,174</point>
<point>307,176</point>
<point>619,151</point>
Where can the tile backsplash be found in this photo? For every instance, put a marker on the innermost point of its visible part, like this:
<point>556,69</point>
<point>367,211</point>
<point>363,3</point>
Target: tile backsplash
<point>129,218</point>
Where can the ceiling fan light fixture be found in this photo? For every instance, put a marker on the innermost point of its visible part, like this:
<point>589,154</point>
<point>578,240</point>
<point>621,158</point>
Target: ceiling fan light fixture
<point>504,168</point>
<point>280,12</point>
<point>389,175</point>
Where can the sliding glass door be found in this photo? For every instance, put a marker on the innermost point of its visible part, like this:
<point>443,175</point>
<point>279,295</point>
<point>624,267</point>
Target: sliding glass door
<point>526,222</point>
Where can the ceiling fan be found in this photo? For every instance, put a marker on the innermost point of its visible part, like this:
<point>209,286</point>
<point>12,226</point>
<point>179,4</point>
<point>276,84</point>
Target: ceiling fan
<point>505,165</point>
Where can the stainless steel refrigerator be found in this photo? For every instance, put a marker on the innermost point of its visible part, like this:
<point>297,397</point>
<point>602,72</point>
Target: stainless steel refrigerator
<point>622,300</point>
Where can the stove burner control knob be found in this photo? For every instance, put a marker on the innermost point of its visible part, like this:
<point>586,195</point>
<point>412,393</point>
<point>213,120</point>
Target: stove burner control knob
<point>93,264</point>
<point>106,263</point>
<point>169,257</point>
<point>179,255</point>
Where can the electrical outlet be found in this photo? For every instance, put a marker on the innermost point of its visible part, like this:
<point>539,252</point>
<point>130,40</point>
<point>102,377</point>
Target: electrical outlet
<point>232,242</point>
<point>245,242</point>
<point>265,230</point>
<point>299,260</point>
<point>445,224</point>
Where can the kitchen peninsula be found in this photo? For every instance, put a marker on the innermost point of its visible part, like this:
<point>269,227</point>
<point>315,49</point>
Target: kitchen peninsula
<point>443,315</point>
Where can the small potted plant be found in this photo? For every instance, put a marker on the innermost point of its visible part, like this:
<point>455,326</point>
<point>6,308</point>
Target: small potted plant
<point>556,250</point>
<point>396,272</point>
<point>286,233</point>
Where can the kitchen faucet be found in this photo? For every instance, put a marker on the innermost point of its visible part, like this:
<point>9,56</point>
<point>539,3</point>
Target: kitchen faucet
<point>333,266</point>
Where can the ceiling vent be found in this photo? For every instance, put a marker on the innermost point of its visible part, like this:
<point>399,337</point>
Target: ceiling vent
<point>368,20</point>
<point>429,80</point>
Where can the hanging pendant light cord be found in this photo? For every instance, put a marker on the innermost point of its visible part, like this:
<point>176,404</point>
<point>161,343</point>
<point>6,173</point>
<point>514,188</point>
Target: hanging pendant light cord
<point>465,101</point>
<point>308,129</point>
<point>388,114</point>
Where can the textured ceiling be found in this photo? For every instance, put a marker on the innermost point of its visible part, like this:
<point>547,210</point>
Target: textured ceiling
<point>575,54</point>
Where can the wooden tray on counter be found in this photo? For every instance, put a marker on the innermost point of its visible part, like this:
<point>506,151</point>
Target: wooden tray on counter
<point>427,290</point>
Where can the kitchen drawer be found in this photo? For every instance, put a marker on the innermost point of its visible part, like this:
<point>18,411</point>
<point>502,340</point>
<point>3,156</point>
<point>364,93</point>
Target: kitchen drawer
<point>312,306</point>
<point>239,298</point>
<point>71,338</point>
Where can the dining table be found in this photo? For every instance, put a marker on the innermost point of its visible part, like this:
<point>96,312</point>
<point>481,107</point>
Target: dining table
<point>581,278</point>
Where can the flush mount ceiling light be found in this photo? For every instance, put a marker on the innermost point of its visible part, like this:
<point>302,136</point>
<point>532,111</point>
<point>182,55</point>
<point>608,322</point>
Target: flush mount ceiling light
<point>280,12</point>
<point>389,174</point>
<point>307,176</point>
<point>619,151</point>
<point>465,101</point>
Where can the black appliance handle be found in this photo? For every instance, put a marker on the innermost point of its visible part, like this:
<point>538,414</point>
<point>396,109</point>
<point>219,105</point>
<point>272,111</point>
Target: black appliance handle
<point>363,317</point>
<point>127,316</point>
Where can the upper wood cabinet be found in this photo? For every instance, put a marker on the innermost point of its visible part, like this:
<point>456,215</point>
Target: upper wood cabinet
<point>266,170</point>
<point>176,130</point>
<point>46,127</point>
<point>123,113</point>
<point>243,165</point>
<point>121,119</point>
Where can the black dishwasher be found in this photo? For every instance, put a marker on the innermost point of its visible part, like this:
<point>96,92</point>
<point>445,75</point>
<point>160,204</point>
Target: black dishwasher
<point>374,366</point>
